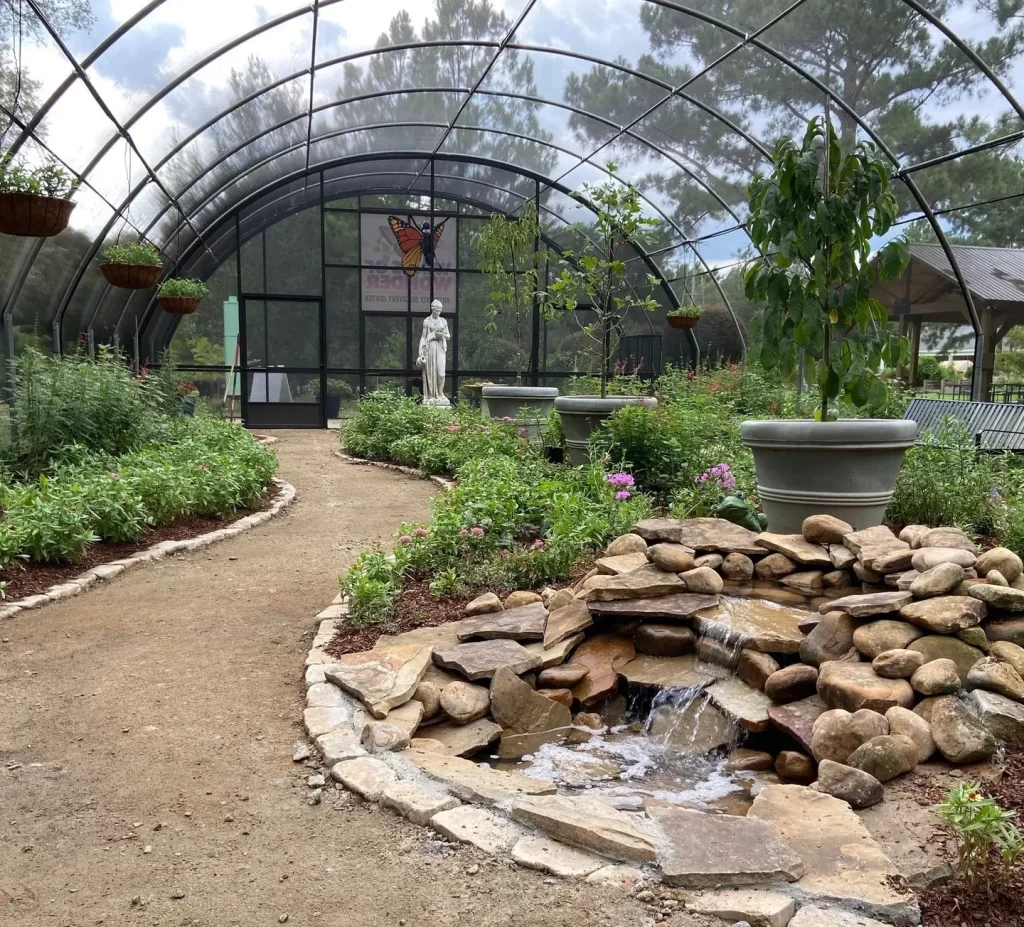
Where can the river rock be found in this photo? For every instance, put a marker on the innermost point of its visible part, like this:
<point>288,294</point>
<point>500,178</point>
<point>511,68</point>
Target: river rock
<point>930,557</point>
<point>463,702</point>
<point>663,640</point>
<point>642,583</point>
<point>796,548</point>
<point>483,605</point>
<point>942,647</point>
<point>1009,653</point>
<point>959,735</point>
<point>947,538</point>
<point>792,683</point>
<point>522,597</point>
<point>758,624</point>
<point>383,678</point>
<point>711,850</point>
<point>743,759</point>
<point>774,567</point>
<point>711,561</point>
<point>809,582</point>
<point>905,581</point>
<point>912,534</point>
<point>382,737</point>
<point>842,557</point>
<point>825,529</point>
<point>945,614</point>
<point>626,544</point>
<point>855,685</point>
<point>911,725</point>
<point>939,580</point>
<point>561,677</point>
<point>624,563</point>
<point>523,623</point>
<point>1010,629</point>
<point>603,655</point>
<point>876,637</point>
<point>797,719</point>
<point>1005,598</point>
<point>702,581</point>
<point>837,733</point>
<point>937,677</point>
<point>482,659</point>
<point>566,622</point>
<point>997,676</point>
<point>521,710</point>
<point>737,567</point>
<point>868,604</point>
<point>428,694</point>
<point>885,757</point>
<point>793,766</point>
<point>590,824</point>
<point>672,558</point>
<point>838,579</point>
<point>897,664</point>
<point>1003,560</point>
<point>831,639</point>
<point>975,637</point>
<point>1002,717</point>
<point>892,561</point>
<point>858,788</point>
<point>755,667</point>
<point>995,578</point>
<point>466,739</point>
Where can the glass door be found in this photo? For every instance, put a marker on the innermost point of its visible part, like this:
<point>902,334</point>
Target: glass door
<point>283,354</point>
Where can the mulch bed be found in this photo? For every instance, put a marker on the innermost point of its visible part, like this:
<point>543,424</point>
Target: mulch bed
<point>26,578</point>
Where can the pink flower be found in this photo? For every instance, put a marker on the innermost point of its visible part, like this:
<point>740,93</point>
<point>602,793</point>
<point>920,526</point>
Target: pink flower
<point>503,554</point>
<point>623,495</point>
<point>508,420</point>
<point>405,539</point>
<point>421,532</point>
<point>522,432</point>
<point>115,477</point>
<point>538,544</point>
<point>477,532</point>
<point>453,428</point>
<point>203,467</point>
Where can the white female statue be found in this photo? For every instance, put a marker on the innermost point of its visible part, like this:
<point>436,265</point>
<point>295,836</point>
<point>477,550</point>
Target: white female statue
<point>433,355</point>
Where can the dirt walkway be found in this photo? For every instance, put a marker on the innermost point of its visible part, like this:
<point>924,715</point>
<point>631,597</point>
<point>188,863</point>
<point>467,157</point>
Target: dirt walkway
<point>155,718</point>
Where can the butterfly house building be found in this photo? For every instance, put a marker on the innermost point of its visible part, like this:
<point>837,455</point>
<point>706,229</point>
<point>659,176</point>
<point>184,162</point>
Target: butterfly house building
<point>326,169</point>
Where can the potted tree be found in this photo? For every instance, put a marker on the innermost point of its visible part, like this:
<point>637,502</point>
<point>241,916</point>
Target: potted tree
<point>34,202</point>
<point>180,295</point>
<point>594,281</point>
<point>813,220</point>
<point>132,267</point>
<point>508,258</point>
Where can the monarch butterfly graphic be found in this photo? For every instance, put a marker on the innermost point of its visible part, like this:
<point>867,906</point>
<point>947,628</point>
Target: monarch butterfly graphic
<point>417,244</point>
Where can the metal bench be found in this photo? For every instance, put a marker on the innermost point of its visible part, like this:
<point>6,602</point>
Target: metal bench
<point>996,426</point>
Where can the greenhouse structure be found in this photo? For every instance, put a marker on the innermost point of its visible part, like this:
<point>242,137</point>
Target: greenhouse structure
<point>325,167</point>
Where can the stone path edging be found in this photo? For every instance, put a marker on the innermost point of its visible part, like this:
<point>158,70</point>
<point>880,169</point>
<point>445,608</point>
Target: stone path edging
<point>398,468</point>
<point>108,571</point>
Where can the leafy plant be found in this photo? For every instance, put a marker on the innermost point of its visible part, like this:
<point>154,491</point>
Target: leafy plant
<point>686,312</point>
<point>979,826</point>
<point>48,521</point>
<point>138,252</point>
<point>47,180</point>
<point>446,583</point>
<point>813,220</point>
<point>595,278</point>
<point>508,258</point>
<point>183,287</point>
<point>370,585</point>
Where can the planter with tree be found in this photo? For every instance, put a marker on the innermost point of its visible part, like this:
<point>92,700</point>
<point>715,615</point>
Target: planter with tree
<point>180,295</point>
<point>593,290</point>
<point>508,258</point>
<point>813,220</point>
<point>34,202</point>
<point>132,267</point>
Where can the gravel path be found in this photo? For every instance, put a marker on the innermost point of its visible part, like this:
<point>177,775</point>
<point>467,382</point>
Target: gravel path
<point>154,721</point>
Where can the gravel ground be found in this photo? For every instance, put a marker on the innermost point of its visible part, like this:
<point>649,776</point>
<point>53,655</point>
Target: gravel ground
<point>146,735</point>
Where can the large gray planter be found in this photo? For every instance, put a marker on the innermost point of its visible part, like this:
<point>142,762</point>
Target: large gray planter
<point>846,468</point>
<point>528,405</point>
<point>582,415</point>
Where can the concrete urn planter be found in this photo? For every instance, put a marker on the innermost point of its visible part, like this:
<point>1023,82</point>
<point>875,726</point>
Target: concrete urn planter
<point>582,415</point>
<point>528,405</point>
<point>846,468</point>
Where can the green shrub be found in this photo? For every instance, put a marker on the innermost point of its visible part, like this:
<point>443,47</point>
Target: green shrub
<point>980,826</point>
<point>370,585</point>
<point>928,368</point>
<point>47,521</point>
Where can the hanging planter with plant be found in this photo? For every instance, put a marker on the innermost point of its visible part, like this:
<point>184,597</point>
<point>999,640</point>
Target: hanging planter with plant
<point>180,295</point>
<point>132,267</point>
<point>684,316</point>
<point>34,203</point>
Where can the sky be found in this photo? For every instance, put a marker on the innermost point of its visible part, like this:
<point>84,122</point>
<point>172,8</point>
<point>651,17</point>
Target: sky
<point>180,33</point>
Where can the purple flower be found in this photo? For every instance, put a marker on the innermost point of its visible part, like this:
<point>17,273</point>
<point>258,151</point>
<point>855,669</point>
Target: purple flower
<point>720,474</point>
<point>477,532</point>
<point>421,532</point>
<point>405,539</point>
<point>619,479</point>
<point>623,494</point>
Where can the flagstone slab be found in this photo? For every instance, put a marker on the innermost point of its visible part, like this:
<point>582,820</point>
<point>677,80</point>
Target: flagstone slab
<point>796,548</point>
<point>339,745</point>
<point>482,659</point>
<point>556,654</point>
<point>473,782</point>
<point>646,581</point>
<point>868,604</point>
<point>478,827</point>
<point>383,678</point>
<point>744,905</point>
<point>718,535</point>
<point>465,739</point>
<point>669,672</point>
<point>624,563</point>
<point>416,802</point>
<point>550,856</point>
<point>679,606</point>
<point>746,705</point>
<point>366,776</point>
<point>754,623</point>
<point>520,709</point>
<point>436,636</point>
<point>526,623</point>
<point>567,622</point>
<point>603,655</point>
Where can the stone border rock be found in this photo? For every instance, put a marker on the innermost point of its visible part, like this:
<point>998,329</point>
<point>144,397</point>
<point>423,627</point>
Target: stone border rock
<point>266,440</point>
<point>398,468</point>
<point>108,571</point>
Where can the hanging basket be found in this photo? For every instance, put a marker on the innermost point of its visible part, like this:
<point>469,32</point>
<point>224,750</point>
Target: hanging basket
<point>132,276</point>
<point>179,305</point>
<point>32,216</point>
<point>683,321</point>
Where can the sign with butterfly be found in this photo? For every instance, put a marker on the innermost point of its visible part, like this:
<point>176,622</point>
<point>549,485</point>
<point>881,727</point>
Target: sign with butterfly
<point>401,253</point>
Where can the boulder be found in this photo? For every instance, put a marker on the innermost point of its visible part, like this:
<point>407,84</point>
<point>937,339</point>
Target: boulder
<point>1001,716</point>
<point>382,737</point>
<point>937,677</point>
<point>561,677</point>
<point>945,614</point>
<point>825,529</point>
<point>626,544</point>
<point>897,664</point>
<point>519,623</point>
<point>793,766</point>
<point>959,735</point>
<point>912,534</point>
<point>702,581</point>
<point>855,685</point>
<point>876,637</point>
<point>639,584</point>
<point>566,622</point>
<point>755,667</point>
<point>663,640</point>
<point>711,561</point>
<point>858,788</point>
<point>774,567</point>
<point>1003,560</point>
<point>1005,598</point>
<point>521,598</point>
<point>603,655</point>
<point>831,639</point>
<point>885,757</point>
<point>483,605</point>
<point>909,724</point>
<point>482,659</point>
<point>1010,629</point>
<point>797,719</point>
<point>939,580</point>
<point>463,702</point>
<point>942,647</point>
<point>927,558</point>
<point>737,567</point>
<point>837,733</point>
<point>796,548</point>
<point>1009,653</point>
<point>995,675</point>
<point>948,538</point>
<point>743,759</point>
<point>672,558</point>
<point>428,694</point>
<point>792,683</point>
<point>868,604</point>
<point>521,710</point>
<point>383,678</point>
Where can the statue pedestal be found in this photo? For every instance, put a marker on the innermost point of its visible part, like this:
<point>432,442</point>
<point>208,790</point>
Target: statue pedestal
<point>439,403</point>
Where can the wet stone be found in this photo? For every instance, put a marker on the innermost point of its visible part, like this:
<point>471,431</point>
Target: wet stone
<point>667,672</point>
<point>663,640</point>
<point>793,766</point>
<point>755,667</point>
<point>797,719</point>
<point>744,704</point>
<point>792,683</point>
<point>603,655</point>
<point>521,710</point>
<point>743,759</point>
